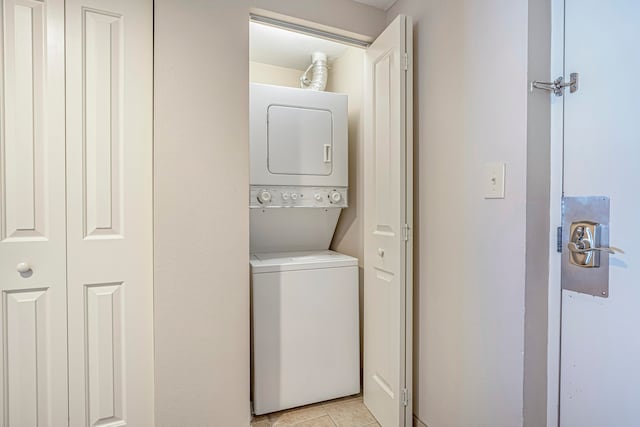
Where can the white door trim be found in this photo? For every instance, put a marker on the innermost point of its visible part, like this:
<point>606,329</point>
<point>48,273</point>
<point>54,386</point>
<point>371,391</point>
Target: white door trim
<point>409,179</point>
<point>556,183</point>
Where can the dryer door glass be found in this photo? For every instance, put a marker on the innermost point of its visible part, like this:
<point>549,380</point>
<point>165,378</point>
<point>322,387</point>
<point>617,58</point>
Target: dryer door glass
<point>300,141</point>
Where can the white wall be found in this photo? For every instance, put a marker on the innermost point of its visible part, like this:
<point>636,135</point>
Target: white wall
<point>346,76</point>
<point>201,298</point>
<point>495,130</point>
<point>274,75</point>
<point>470,72</point>
<point>201,216</point>
<point>470,107</point>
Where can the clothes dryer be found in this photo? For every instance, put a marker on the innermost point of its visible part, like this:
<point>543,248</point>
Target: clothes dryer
<point>297,137</point>
<point>299,167</point>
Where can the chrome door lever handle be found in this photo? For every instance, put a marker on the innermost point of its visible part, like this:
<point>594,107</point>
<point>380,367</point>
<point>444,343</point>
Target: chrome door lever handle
<point>575,249</point>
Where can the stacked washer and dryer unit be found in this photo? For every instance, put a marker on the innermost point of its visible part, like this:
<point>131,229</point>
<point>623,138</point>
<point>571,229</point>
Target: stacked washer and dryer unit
<point>305,330</point>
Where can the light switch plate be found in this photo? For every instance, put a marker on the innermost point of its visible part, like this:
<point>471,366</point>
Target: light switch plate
<point>494,175</point>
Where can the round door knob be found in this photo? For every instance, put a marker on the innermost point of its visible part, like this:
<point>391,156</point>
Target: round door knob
<point>335,197</point>
<point>23,267</point>
<point>380,252</point>
<point>264,196</point>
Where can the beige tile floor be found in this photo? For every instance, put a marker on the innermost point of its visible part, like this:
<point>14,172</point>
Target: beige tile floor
<point>346,412</point>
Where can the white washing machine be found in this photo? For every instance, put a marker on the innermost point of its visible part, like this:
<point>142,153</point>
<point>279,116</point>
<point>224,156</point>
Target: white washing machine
<point>305,328</point>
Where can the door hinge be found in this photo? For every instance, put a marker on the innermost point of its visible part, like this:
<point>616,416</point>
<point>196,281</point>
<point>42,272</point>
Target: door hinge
<point>405,232</point>
<point>405,61</point>
<point>405,397</point>
<point>559,239</point>
<point>557,86</point>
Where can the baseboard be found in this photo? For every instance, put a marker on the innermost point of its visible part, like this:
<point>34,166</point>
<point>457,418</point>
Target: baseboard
<point>418,423</point>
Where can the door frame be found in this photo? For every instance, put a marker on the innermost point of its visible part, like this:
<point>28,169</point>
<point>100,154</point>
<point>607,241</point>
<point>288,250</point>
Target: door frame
<point>555,217</point>
<point>409,220</point>
<point>361,41</point>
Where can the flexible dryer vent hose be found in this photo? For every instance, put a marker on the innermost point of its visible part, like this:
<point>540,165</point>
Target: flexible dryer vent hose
<point>320,71</point>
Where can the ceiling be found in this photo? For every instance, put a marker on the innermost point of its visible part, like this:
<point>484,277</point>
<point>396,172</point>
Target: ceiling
<point>275,46</point>
<point>380,4</point>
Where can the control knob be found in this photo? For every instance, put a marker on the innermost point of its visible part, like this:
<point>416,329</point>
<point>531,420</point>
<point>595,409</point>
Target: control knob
<point>335,197</point>
<point>264,196</point>
<point>318,197</point>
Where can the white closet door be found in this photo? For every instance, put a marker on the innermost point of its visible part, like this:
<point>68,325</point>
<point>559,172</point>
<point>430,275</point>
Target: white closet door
<point>109,211</point>
<point>33,343</point>
<point>387,221</point>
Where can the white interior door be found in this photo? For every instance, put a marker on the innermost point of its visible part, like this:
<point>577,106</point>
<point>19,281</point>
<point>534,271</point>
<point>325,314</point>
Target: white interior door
<point>109,211</point>
<point>600,379</point>
<point>387,221</point>
<point>33,343</point>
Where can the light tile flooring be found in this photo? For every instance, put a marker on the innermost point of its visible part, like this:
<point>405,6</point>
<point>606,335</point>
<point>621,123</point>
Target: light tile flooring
<point>346,412</point>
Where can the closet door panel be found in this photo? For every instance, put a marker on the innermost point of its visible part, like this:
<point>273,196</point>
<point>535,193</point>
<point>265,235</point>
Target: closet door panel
<point>33,341</point>
<point>109,211</point>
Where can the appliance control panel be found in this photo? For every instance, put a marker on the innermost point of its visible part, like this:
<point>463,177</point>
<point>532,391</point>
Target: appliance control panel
<point>297,196</point>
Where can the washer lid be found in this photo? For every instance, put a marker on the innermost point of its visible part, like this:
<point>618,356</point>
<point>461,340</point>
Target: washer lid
<point>305,260</point>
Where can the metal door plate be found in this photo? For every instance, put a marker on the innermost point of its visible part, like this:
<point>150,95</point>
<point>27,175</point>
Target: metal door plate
<point>592,281</point>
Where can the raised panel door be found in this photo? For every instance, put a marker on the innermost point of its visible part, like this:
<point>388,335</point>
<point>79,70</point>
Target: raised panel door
<point>387,221</point>
<point>109,211</point>
<point>33,342</point>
